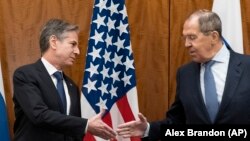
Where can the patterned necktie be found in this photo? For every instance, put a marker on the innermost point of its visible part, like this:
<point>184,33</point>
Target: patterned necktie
<point>212,103</point>
<point>60,89</point>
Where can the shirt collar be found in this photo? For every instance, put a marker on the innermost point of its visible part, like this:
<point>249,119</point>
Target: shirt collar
<point>222,55</point>
<point>49,67</point>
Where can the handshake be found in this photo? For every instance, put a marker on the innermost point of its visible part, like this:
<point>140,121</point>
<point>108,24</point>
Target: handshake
<point>134,128</point>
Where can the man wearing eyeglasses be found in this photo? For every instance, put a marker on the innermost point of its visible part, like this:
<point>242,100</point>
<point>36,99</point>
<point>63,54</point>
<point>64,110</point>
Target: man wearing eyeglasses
<point>212,89</point>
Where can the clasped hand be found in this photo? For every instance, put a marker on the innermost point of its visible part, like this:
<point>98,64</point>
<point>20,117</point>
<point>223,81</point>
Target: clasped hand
<point>135,128</point>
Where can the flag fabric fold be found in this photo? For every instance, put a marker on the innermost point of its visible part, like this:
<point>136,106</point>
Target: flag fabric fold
<point>230,14</point>
<point>4,128</point>
<point>109,77</point>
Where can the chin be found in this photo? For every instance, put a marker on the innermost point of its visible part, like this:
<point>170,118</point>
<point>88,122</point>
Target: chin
<point>196,60</point>
<point>69,64</point>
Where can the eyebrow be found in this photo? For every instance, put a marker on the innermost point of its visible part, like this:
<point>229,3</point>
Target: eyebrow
<point>74,42</point>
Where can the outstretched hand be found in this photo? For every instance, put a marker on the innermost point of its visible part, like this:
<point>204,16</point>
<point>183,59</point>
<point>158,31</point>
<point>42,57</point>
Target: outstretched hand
<point>134,128</point>
<point>98,128</point>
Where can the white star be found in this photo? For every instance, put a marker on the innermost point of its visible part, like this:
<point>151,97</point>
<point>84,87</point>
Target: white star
<point>123,12</point>
<point>126,79</point>
<point>99,21</point>
<point>117,60</point>
<point>103,88</point>
<point>90,85</point>
<point>108,40</point>
<point>101,5</point>
<point>92,69</point>
<point>104,72</point>
<point>95,53</point>
<point>97,37</point>
<point>122,28</point>
<point>113,92</point>
<point>119,43</point>
<point>113,8</point>
<point>129,64</point>
<point>102,104</point>
<point>115,76</point>
<point>129,48</point>
<point>106,56</point>
<point>111,24</point>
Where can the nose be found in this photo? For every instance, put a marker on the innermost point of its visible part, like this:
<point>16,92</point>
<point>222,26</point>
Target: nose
<point>187,43</point>
<point>77,50</point>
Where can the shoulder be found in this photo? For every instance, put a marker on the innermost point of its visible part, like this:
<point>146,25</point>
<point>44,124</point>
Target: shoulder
<point>29,66</point>
<point>29,69</point>
<point>188,69</point>
<point>240,58</point>
<point>189,66</point>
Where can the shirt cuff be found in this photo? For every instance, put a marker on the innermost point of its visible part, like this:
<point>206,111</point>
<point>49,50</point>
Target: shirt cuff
<point>86,128</point>
<point>146,131</point>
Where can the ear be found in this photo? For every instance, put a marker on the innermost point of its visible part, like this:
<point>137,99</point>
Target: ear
<point>53,41</point>
<point>215,36</point>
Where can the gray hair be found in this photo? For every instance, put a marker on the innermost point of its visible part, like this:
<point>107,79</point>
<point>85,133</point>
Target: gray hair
<point>208,21</point>
<point>56,27</point>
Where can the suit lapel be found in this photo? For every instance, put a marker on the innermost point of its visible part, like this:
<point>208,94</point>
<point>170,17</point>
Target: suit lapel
<point>44,75</point>
<point>197,80</point>
<point>199,97</point>
<point>235,70</point>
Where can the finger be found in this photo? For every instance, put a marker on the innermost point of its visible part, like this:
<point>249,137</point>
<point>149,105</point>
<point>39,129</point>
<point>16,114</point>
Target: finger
<point>109,135</point>
<point>142,117</point>
<point>112,133</point>
<point>124,129</point>
<point>126,136</point>
<point>124,125</point>
<point>106,135</point>
<point>124,133</point>
<point>121,130</point>
<point>109,130</point>
<point>102,112</point>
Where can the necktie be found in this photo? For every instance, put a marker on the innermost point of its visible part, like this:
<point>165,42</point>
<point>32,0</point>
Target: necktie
<point>60,89</point>
<point>212,103</point>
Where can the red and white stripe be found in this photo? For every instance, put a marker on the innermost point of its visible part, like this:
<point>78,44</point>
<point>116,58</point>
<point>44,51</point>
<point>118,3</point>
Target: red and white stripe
<point>124,110</point>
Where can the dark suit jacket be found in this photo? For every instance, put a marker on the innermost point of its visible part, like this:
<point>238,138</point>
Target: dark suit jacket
<point>189,106</point>
<point>37,107</point>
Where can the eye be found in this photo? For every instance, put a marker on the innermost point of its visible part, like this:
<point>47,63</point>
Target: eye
<point>189,37</point>
<point>73,43</point>
<point>192,37</point>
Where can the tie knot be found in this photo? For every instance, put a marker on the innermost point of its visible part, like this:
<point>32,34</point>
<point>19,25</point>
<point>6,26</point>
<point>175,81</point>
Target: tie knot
<point>209,63</point>
<point>58,75</point>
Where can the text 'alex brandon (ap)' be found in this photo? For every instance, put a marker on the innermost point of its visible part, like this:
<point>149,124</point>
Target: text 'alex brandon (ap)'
<point>226,132</point>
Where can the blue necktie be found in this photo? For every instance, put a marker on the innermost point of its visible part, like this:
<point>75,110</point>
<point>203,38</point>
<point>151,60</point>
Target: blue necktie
<point>212,103</point>
<point>60,89</point>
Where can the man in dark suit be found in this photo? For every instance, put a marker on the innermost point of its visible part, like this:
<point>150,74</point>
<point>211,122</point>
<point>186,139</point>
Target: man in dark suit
<point>41,113</point>
<point>229,78</point>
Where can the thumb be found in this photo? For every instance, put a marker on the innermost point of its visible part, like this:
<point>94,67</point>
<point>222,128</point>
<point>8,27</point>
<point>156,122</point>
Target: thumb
<point>102,112</point>
<point>142,117</point>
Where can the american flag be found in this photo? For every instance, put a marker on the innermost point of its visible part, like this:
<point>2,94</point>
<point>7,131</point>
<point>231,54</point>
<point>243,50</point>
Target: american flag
<point>109,79</point>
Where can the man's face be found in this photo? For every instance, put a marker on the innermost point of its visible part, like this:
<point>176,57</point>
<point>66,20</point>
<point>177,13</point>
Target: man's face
<point>199,45</point>
<point>67,49</point>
